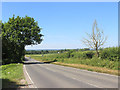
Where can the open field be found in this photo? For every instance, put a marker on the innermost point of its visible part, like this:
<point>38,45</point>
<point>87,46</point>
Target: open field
<point>12,76</point>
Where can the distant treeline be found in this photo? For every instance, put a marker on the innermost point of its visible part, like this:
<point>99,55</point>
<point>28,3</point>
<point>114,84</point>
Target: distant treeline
<point>53,51</point>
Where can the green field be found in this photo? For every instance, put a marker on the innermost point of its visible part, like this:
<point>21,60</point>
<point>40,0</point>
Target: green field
<point>12,76</point>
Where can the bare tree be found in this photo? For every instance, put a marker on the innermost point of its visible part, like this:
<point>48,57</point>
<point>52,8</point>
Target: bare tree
<point>96,39</point>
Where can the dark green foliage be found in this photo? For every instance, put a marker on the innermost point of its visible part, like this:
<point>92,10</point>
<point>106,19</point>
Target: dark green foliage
<point>68,54</point>
<point>82,54</point>
<point>16,34</point>
<point>110,54</point>
<point>88,54</point>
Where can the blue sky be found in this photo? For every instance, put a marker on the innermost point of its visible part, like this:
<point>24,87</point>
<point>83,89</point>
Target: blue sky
<point>65,23</point>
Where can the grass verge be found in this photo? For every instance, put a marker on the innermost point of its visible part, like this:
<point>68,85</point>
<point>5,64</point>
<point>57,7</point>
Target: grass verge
<point>12,76</point>
<point>89,68</point>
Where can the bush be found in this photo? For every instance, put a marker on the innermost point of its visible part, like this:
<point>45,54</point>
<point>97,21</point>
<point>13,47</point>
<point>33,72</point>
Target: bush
<point>88,54</point>
<point>110,54</point>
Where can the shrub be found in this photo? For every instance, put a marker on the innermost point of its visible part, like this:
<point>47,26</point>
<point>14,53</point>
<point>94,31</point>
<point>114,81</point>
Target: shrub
<point>88,54</point>
<point>110,54</point>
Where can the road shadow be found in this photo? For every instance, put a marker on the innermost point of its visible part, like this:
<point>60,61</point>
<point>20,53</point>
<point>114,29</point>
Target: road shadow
<point>32,61</point>
<point>8,84</point>
<point>48,62</point>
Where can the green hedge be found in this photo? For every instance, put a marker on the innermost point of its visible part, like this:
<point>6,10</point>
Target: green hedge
<point>110,54</point>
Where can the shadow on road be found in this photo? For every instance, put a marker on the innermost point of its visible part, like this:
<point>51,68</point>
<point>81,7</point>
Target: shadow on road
<point>31,61</point>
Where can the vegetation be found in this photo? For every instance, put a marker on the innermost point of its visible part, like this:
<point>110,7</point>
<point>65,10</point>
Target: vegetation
<point>96,39</point>
<point>16,34</point>
<point>52,51</point>
<point>12,75</point>
<point>108,58</point>
<point>90,68</point>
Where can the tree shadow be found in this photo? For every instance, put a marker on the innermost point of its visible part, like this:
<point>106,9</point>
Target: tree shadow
<point>48,62</point>
<point>8,84</point>
<point>28,61</point>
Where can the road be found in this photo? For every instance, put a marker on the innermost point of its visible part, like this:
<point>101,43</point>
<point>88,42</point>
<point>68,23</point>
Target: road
<point>55,76</point>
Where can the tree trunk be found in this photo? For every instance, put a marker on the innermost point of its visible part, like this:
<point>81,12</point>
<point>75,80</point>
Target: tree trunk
<point>97,53</point>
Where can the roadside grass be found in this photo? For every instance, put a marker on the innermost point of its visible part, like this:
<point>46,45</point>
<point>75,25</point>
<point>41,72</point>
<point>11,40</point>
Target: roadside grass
<point>94,64</point>
<point>89,68</point>
<point>12,76</point>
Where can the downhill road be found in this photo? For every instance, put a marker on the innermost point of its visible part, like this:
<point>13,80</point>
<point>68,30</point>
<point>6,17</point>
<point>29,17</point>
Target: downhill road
<point>55,76</point>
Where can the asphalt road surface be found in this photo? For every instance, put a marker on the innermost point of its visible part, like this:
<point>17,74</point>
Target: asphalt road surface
<point>55,76</point>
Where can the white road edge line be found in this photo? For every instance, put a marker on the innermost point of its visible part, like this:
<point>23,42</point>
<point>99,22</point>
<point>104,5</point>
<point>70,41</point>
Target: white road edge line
<point>29,77</point>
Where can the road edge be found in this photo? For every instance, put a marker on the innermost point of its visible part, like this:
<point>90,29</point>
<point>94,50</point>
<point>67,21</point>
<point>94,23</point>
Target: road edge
<point>28,78</point>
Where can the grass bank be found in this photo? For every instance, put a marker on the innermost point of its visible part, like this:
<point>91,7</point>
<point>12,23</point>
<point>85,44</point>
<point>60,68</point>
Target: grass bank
<point>94,64</point>
<point>89,68</point>
<point>12,76</point>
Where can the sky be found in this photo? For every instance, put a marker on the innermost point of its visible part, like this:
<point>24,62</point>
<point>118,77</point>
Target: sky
<point>65,24</point>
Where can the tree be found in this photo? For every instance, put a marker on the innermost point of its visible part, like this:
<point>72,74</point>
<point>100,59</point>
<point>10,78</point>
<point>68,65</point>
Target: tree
<point>96,39</point>
<point>16,34</point>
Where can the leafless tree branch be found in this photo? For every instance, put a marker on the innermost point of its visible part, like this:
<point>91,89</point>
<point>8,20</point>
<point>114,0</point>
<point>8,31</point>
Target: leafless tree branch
<point>96,39</point>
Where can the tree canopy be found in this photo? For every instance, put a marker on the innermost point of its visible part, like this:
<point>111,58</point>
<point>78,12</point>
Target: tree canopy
<point>16,34</point>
